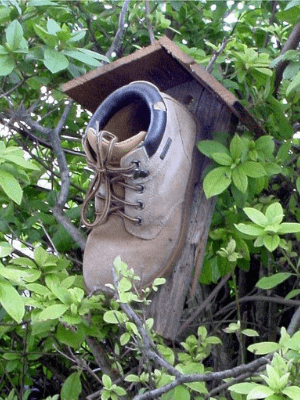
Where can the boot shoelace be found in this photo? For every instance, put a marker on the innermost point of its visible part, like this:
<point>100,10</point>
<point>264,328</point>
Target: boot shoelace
<point>106,175</point>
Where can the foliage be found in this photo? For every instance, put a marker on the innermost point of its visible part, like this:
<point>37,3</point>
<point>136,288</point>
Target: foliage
<point>57,342</point>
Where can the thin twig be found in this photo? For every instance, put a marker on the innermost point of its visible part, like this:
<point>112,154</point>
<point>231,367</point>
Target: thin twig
<point>203,305</point>
<point>291,44</point>
<point>101,358</point>
<point>116,44</point>
<point>12,89</point>
<point>149,26</point>
<point>278,300</point>
<point>217,53</point>
<point>48,237</point>
<point>147,342</point>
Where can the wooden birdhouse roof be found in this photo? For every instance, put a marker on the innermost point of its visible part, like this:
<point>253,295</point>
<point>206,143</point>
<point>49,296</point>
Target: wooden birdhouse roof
<point>163,64</point>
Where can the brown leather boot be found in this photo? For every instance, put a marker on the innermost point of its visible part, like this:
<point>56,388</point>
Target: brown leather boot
<point>140,143</point>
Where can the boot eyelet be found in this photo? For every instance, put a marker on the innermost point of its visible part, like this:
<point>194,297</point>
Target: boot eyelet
<point>138,221</point>
<point>140,189</point>
<point>137,163</point>
<point>140,205</point>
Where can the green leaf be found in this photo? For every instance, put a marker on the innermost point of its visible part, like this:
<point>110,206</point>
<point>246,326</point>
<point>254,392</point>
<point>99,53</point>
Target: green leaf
<point>272,168</point>
<point>53,312</point>
<point>14,34</point>
<point>3,52</point>
<point>256,216</point>
<point>77,36</point>
<point>71,388</point>
<point>284,125</point>
<point>216,181</point>
<point>124,338</point>
<point>293,392</point>
<point>295,84</point>
<point>198,387</point>
<point>249,332</point>
<point>167,353</point>
<point>242,388</point>
<point>222,158</point>
<point>62,294</point>
<point>298,184</point>
<point>84,58</point>
<point>236,147</point>
<point>93,54</point>
<point>249,229</point>
<point>288,227</point>
<point>260,392</point>
<point>292,293</point>
<point>180,392</point>
<point>4,14</point>
<point>271,242</point>
<point>7,65</point>
<point>253,169</point>
<point>264,71</point>
<point>265,145</point>
<point>11,186</point>
<point>55,61</point>
<point>37,288</point>
<point>47,38</point>
<point>208,147</point>
<point>40,256</point>
<point>114,317</point>
<point>292,3</point>
<point>106,381</point>
<point>11,301</point>
<point>264,347</point>
<point>5,249</point>
<point>124,285</point>
<point>119,391</point>
<point>274,213</point>
<point>269,282</point>
<point>16,159</point>
<point>132,378</point>
<point>53,27</point>
<point>71,337</point>
<point>240,179</point>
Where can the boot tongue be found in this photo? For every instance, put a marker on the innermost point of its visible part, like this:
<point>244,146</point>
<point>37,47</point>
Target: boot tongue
<point>120,149</point>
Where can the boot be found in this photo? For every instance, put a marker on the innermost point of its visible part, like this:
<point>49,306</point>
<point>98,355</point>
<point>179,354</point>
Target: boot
<point>141,145</point>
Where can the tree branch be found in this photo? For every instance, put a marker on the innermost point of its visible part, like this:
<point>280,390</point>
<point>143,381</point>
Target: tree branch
<point>149,26</point>
<point>147,342</point>
<point>208,377</point>
<point>204,304</point>
<point>291,44</point>
<point>61,158</point>
<point>216,54</point>
<point>271,21</point>
<point>69,227</point>
<point>65,180</point>
<point>116,44</point>
<point>278,300</point>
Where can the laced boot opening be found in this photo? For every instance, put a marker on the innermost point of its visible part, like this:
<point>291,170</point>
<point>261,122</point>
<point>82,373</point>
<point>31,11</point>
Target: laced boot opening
<point>129,120</point>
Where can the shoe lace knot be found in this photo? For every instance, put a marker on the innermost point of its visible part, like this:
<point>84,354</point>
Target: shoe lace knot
<point>106,176</point>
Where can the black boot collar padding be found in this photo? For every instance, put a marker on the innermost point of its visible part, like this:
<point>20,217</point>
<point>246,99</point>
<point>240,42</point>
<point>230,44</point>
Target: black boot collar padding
<point>122,97</point>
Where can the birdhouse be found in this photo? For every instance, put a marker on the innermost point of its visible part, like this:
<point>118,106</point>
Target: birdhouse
<point>216,110</point>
